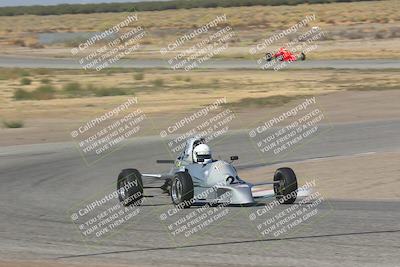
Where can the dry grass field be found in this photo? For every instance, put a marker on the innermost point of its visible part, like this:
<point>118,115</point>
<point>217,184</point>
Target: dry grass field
<point>166,91</point>
<point>353,30</point>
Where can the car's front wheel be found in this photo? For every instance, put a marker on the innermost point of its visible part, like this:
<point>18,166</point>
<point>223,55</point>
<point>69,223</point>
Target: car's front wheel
<point>302,56</point>
<point>285,186</point>
<point>182,190</point>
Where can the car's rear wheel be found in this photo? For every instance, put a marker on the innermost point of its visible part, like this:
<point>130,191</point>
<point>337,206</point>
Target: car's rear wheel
<point>286,187</point>
<point>182,190</point>
<point>302,56</point>
<point>130,187</point>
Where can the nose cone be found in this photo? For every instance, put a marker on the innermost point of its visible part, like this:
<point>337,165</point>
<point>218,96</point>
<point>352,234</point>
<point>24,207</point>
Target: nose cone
<point>220,170</point>
<point>238,194</point>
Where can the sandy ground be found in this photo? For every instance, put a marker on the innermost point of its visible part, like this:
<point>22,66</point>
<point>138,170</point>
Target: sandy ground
<point>340,107</point>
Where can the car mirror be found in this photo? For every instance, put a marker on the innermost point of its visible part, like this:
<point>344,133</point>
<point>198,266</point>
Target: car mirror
<point>234,158</point>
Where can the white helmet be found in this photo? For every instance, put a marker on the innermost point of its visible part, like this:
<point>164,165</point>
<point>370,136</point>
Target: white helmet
<point>202,154</point>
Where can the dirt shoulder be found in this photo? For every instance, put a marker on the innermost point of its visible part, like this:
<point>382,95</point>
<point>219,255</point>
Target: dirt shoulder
<point>370,176</point>
<point>340,107</point>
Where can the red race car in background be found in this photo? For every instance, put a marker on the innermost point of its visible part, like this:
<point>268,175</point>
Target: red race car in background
<point>285,55</point>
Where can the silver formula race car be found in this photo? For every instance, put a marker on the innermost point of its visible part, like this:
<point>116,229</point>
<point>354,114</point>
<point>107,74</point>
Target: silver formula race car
<point>197,178</point>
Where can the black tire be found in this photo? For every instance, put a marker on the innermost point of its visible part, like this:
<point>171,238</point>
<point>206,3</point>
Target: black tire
<point>279,58</point>
<point>268,56</point>
<point>302,56</point>
<point>286,189</point>
<point>182,190</point>
<point>130,187</point>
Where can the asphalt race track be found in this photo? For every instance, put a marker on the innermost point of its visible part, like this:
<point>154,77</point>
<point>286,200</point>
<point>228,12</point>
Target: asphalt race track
<point>68,63</point>
<point>41,183</point>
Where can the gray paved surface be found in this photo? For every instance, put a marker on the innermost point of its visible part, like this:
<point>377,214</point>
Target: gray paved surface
<point>41,62</point>
<point>41,183</point>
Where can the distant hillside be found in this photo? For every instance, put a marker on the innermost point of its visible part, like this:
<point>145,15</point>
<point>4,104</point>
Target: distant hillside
<point>149,6</point>
<point>4,3</point>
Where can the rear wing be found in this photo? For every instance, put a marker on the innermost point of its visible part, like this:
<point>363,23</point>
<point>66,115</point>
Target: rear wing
<point>167,161</point>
